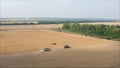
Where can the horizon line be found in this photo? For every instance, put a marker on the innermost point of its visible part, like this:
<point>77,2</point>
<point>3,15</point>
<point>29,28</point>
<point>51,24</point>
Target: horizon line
<point>57,17</point>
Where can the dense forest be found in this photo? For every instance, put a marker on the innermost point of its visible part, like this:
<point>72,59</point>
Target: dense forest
<point>104,31</point>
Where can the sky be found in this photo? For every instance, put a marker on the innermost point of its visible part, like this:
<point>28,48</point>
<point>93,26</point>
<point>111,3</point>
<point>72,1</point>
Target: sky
<point>107,9</point>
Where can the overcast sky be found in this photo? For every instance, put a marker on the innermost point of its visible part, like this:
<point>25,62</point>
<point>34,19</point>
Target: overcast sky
<point>108,9</point>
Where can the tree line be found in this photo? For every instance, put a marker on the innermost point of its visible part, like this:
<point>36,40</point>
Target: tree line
<point>100,30</point>
<point>70,21</point>
<point>52,21</point>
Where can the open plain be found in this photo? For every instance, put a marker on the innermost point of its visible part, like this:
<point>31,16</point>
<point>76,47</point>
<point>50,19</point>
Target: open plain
<point>22,46</point>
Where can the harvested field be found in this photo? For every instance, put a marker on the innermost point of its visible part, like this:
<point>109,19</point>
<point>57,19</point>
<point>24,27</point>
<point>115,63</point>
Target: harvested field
<point>30,27</point>
<point>25,49</point>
